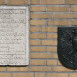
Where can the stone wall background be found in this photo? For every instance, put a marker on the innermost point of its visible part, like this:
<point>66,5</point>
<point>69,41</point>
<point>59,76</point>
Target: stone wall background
<point>45,17</point>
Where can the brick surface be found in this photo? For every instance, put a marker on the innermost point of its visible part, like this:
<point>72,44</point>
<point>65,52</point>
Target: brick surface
<point>39,74</point>
<point>59,63</point>
<point>73,2</point>
<point>2,68</point>
<point>73,8</point>
<point>49,29</point>
<point>54,56</point>
<point>23,74</point>
<point>51,49</point>
<point>17,2</point>
<point>34,42</point>
<point>26,2</point>
<point>38,62</point>
<point>49,42</point>
<point>65,15</point>
<point>17,68</point>
<point>58,9</point>
<point>38,8</point>
<point>38,49</point>
<point>34,29</point>
<point>41,15</point>
<point>35,2</point>
<point>51,62</point>
<point>45,18</point>
<point>5,74</point>
<point>40,68</point>
<point>72,74</point>
<point>59,22</point>
<point>2,2</point>
<point>51,35</point>
<point>61,69</point>
<point>38,22</point>
<point>38,36</point>
<point>48,2</point>
<point>74,22</point>
<point>40,55</point>
<point>57,74</point>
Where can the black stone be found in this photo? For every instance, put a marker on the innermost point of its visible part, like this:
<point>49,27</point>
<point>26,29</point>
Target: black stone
<point>67,46</point>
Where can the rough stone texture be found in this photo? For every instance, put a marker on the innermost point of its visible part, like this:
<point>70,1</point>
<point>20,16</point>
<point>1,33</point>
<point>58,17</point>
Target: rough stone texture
<point>14,34</point>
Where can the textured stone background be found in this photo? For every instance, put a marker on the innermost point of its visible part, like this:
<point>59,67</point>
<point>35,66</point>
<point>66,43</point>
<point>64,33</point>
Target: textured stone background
<point>45,17</point>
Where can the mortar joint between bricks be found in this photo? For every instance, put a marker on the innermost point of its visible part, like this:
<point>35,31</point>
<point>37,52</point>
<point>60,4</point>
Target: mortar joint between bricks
<point>57,62</point>
<point>52,5</point>
<point>51,68</point>
<point>5,2</point>
<point>52,15</point>
<point>52,12</point>
<point>11,74</point>
<point>6,68</point>
<point>64,2</point>
<point>68,74</point>
<point>69,8</point>
<point>40,2</point>
<point>70,23</point>
<point>34,74</point>
<point>45,74</point>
